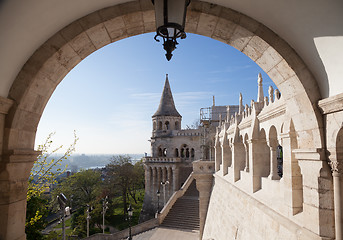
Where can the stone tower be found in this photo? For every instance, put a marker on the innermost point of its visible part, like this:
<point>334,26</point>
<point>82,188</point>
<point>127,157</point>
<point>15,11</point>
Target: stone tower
<point>165,120</point>
<point>172,152</point>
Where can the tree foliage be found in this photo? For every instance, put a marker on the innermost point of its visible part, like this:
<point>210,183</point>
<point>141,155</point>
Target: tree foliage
<point>41,177</point>
<point>81,189</point>
<point>124,177</point>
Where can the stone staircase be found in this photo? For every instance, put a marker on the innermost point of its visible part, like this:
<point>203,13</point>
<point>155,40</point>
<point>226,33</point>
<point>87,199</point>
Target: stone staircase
<point>185,212</point>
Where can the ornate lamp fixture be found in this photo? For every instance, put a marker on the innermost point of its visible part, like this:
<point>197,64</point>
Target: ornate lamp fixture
<point>170,22</point>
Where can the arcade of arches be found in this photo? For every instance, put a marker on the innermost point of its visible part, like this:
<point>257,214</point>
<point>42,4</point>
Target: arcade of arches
<point>311,127</point>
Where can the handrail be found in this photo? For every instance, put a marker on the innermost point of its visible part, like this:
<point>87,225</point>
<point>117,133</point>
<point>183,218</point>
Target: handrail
<point>162,215</point>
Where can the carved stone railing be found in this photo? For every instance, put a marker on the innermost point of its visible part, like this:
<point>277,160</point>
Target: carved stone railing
<point>161,160</point>
<point>162,215</point>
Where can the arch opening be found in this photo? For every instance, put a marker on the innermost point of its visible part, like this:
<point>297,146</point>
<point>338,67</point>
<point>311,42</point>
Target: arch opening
<point>52,61</point>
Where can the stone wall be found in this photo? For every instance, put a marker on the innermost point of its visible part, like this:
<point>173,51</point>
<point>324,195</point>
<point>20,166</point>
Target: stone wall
<point>233,214</point>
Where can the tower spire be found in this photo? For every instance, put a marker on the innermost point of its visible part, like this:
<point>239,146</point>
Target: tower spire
<point>260,96</point>
<point>167,106</point>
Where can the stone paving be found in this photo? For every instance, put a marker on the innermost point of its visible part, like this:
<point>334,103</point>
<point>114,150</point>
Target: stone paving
<point>167,234</point>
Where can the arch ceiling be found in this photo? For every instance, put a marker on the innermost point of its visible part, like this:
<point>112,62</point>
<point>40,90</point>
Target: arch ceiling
<point>49,64</point>
<point>311,27</point>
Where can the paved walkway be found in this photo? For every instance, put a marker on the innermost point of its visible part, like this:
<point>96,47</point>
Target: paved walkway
<point>167,234</point>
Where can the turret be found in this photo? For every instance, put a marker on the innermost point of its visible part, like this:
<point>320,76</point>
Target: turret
<point>166,118</point>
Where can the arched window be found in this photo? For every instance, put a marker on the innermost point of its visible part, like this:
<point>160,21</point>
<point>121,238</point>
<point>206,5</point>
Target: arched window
<point>160,125</point>
<point>167,125</point>
<point>279,161</point>
<point>154,125</point>
<point>160,152</point>
<point>182,152</point>
<point>176,152</point>
<point>192,153</point>
<point>176,125</point>
<point>164,152</point>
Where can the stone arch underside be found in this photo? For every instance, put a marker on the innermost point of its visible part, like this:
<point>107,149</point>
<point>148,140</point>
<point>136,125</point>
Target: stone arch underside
<point>55,58</point>
<point>50,63</point>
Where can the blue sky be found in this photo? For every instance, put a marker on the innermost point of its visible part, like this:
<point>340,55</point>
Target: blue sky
<point>110,96</point>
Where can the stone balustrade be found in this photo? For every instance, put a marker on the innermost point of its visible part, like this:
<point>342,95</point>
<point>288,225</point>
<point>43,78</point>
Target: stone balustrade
<point>161,160</point>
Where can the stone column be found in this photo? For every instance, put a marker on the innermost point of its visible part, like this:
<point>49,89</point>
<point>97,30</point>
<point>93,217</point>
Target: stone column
<point>238,160</point>
<point>218,156</point>
<point>318,209</point>
<point>336,169</point>
<point>148,185</point>
<point>253,162</point>
<point>170,179</point>
<point>203,174</point>
<point>15,171</point>
<point>226,157</point>
<point>246,147</point>
<point>154,183</point>
<point>176,178</point>
<point>292,177</point>
<point>159,178</point>
<point>273,164</point>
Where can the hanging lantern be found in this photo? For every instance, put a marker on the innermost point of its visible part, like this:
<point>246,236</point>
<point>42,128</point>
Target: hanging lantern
<point>170,22</point>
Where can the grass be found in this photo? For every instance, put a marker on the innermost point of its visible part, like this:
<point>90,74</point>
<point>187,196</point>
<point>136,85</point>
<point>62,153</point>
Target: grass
<point>117,218</point>
<point>67,223</point>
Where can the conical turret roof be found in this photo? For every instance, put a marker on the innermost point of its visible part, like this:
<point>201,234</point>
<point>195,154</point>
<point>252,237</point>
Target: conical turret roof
<point>167,106</point>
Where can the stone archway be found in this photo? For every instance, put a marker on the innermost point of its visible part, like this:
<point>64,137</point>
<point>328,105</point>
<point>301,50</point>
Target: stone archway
<point>50,63</point>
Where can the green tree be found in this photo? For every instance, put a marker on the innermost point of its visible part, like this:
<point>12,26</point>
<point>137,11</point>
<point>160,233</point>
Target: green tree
<point>83,188</point>
<point>124,177</point>
<point>41,177</point>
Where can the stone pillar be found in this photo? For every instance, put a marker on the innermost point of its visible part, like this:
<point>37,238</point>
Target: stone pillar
<point>317,192</point>
<point>159,178</point>
<point>15,171</point>
<point>292,177</point>
<point>254,173</point>
<point>246,146</point>
<point>5,105</point>
<point>238,159</point>
<point>176,178</point>
<point>336,169</point>
<point>218,156</point>
<point>154,183</point>
<point>203,174</point>
<point>273,164</point>
<point>170,179</point>
<point>148,185</point>
<point>226,157</point>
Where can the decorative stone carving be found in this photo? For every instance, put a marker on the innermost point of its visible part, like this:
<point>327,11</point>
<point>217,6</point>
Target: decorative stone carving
<point>336,166</point>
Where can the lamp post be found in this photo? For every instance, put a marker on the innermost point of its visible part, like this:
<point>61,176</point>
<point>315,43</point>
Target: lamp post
<point>104,208</point>
<point>170,22</point>
<point>158,193</point>
<point>164,191</point>
<point>129,212</point>
<point>62,200</point>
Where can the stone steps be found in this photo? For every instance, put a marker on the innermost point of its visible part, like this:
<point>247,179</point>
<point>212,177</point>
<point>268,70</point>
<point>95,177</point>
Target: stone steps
<point>185,212</point>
